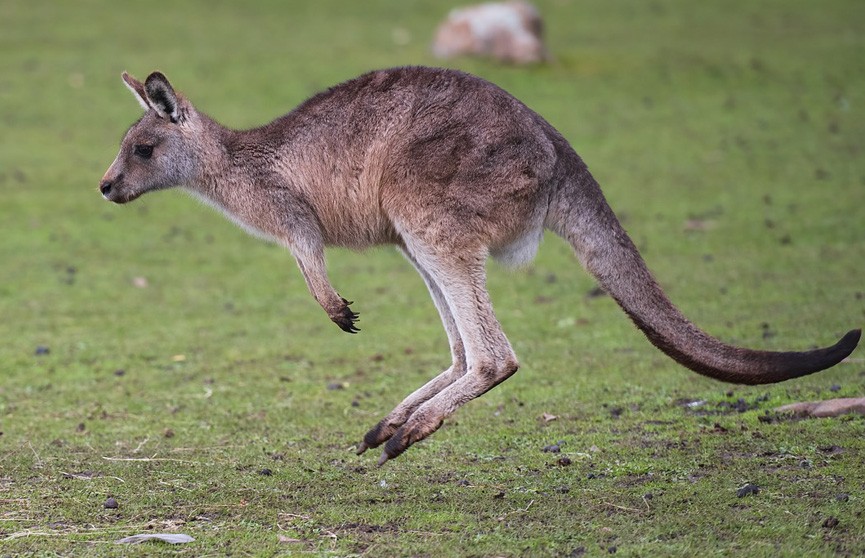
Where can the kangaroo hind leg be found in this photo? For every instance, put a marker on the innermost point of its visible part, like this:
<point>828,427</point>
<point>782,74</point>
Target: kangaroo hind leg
<point>381,432</point>
<point>489,358</point>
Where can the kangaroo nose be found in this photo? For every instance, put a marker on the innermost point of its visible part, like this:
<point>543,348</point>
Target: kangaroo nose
<point>105,187</point>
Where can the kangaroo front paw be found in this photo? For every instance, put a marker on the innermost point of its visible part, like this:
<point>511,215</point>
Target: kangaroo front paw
<point>345,318</point>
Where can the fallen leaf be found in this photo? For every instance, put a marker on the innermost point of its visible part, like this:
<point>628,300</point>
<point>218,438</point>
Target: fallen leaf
<point>284,539</point>
<point>548,417</point>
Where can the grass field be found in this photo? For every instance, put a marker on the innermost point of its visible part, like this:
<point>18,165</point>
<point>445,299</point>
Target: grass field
<point>156,355</point>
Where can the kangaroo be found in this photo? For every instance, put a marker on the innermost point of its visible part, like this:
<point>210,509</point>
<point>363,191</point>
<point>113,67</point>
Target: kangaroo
<point>450,169</point>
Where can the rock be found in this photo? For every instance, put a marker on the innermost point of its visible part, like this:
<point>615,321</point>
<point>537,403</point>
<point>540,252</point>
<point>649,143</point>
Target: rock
<point>748,490</point>
<point>170,538</point>
<point>509,32</point>
<point>828,408</point>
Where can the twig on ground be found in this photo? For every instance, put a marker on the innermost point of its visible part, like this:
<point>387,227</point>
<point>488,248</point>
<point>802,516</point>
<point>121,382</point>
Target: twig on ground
<point>146,459</point>
<point>140,445</point>
<point>39,464</point>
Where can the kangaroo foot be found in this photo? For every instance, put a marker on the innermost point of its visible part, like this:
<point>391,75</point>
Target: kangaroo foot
<point>419,426</point>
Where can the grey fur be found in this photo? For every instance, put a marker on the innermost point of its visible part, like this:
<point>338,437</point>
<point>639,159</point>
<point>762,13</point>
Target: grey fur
<point>449,168</point>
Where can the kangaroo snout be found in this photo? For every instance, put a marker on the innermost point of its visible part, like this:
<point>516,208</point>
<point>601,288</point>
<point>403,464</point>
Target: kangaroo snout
<point>110,189</point>
<point>105,187</point>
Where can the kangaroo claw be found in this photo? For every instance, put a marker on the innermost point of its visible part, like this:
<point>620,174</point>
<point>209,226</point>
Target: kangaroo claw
<point>345,318</point>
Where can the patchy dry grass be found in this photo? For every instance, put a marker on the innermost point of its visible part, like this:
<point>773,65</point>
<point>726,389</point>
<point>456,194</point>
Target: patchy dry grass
<point>155,355</point>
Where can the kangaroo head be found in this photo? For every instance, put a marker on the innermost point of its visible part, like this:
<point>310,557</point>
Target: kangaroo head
<point>160,150</point>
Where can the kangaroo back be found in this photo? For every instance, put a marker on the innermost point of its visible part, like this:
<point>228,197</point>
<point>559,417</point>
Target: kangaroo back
<point>580,214</point>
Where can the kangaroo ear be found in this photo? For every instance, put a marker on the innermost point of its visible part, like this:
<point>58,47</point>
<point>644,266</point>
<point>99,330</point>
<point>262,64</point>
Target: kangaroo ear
<point>161,96</point>
<point>137,89</point>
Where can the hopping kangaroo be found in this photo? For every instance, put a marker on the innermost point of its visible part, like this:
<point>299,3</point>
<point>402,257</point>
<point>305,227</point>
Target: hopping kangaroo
<point>449,168</point>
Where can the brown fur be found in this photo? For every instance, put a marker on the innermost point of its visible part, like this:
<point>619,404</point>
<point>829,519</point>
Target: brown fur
<point>449,168</point>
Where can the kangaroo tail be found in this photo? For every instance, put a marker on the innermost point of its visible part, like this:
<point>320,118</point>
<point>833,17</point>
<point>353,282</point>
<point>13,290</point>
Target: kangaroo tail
<point>580,214</point>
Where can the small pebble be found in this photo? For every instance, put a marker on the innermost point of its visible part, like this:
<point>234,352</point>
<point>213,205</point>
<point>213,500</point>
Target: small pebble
<point>265,472</point>
<point>42,350</point>
<point>748,490</point>
<point>111,503</point>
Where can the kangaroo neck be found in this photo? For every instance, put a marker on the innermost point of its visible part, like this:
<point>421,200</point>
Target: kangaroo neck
<point>223,158</point>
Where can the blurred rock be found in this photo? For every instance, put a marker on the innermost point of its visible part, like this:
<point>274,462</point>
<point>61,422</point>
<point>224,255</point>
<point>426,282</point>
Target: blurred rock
<point>509,32</point>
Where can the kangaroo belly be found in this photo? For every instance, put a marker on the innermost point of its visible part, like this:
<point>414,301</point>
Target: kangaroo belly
<point>356,230</point>
<point>519,251</point>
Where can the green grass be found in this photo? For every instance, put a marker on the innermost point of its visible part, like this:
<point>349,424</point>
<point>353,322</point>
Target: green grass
<point>744,121</point>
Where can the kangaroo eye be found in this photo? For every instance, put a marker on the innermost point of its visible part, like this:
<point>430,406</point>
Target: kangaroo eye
<point>144,151</point>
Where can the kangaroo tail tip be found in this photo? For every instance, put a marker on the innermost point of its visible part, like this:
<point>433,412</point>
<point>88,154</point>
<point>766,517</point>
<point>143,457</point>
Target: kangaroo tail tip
<point>830,356</point>
<point>849,341</point>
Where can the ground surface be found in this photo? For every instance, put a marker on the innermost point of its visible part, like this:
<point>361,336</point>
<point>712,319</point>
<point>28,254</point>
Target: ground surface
<point>162,372</point>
